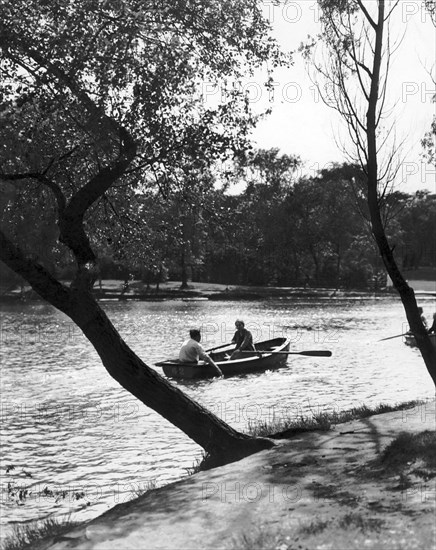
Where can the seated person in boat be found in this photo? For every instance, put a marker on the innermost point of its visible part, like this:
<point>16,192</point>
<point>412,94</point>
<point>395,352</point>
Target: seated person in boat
<point>424,322</point>
<point>242,339</point>
<point>433,327</point>
<point>191,351</point>
<point>423,319</point>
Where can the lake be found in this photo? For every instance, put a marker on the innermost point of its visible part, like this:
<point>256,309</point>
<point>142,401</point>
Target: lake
<point>75,441</point>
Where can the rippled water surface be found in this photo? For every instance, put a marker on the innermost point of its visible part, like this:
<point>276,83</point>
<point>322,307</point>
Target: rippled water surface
<point>74,441</point>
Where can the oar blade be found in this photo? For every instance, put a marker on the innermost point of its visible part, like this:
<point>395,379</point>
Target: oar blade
<point>316,353</point>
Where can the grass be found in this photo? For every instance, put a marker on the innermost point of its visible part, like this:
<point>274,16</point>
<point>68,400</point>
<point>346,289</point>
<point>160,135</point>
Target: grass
<point>265,539</point>
<point>32,536</point>
<point>349,521</point>
<point>322,491</point>
<point>409,448</point>
<point>351,531</point>
<point>358,521</point>
<point>280,427</point>
<point>314,527</point>
<point>199,464</point>
<point>411,455</point>
<point>288,426</point>
<point>150,485</point>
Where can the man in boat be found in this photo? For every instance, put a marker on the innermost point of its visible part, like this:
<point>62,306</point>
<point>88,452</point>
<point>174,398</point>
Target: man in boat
<point>423,319</point>
<point>433,327</point>
<point>191,351</point>
<point>243,340</point>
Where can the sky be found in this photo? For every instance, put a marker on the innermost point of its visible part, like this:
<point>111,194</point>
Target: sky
<point>301,124</point>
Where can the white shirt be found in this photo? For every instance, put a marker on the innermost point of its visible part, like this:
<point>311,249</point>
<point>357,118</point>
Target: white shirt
<point>191,351</point>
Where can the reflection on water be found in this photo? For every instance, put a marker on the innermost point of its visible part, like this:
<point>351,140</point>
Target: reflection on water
<point>76,441</point>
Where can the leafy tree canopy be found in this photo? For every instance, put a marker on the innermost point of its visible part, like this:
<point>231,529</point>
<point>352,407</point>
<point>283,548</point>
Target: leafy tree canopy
<point>88,84</point>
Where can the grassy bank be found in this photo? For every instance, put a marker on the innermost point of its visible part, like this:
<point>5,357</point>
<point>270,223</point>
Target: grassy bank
<point>287,427</point>
<point>36,534</point>
<point>410,459</point>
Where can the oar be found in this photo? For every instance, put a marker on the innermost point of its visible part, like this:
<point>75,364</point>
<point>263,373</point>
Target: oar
<point>218,347</point>
<point>390,337</point>
<point>312,353</point>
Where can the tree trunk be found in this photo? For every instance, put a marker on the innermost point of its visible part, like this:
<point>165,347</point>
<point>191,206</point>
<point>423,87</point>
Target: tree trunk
<point>315,263</point>
<point>407,294</point>
<point>184,284</point>
<point>159,278</point>
<point>338,266</point>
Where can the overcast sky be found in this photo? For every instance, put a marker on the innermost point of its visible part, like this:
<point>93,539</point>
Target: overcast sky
<point>301,124</point>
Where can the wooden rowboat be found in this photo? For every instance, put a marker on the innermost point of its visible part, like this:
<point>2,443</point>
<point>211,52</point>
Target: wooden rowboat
<point>409,340</point>
<point>264,358</point>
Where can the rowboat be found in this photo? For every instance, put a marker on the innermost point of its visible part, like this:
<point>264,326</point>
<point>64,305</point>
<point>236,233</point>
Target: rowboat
<point>268,355</point>
<point>409,340</point>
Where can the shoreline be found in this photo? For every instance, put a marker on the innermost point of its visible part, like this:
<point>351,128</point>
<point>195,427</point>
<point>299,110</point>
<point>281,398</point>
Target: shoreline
<point>326,490</point>
<point>206,292</point>
<point>113,290</point>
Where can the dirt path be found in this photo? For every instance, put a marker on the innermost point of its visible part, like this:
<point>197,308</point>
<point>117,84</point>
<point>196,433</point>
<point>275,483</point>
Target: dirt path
<point>317,490</point>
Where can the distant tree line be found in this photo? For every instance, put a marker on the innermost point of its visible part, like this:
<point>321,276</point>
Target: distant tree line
<point>313,232</point>
<point>282,229</point>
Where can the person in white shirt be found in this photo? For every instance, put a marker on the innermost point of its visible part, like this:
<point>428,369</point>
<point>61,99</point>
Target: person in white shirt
<point>433,327</point>
<point>423,319</point>
<point>191,351</point>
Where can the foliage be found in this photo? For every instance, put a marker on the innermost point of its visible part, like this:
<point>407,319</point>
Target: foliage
<point>307,231</point>
<point>143,69</point>
<point>428,143</point>
<point>78,79</point>
<point>418,224</point>
<point>430,6</point>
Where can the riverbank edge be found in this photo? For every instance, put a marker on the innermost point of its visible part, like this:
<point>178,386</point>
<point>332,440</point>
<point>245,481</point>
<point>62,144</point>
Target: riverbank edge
<point>207,511</point>
<point>204,291</point>
<point>115,290</point>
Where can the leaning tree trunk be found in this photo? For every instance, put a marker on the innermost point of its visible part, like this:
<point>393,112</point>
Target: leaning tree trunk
<point>406,293</point>
<point>218,439</point>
